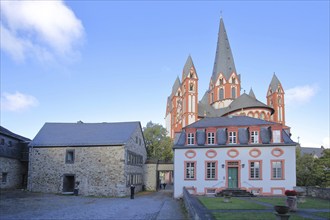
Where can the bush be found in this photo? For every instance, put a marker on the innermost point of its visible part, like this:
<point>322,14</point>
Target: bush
<point>290,192</point>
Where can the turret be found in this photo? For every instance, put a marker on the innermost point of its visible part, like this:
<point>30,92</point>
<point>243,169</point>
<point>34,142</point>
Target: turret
<point>190,93</point>
<point>275,99</point>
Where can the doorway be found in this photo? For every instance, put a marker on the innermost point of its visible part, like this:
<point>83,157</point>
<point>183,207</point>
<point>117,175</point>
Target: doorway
<point>232,177</point>
<point>68,183</point>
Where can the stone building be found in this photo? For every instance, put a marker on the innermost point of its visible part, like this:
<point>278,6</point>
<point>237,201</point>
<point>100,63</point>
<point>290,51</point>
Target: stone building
<point>101,159</point>
<point>13,159</point>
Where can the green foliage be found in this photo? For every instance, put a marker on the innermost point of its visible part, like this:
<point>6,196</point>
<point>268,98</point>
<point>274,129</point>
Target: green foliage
<point>159,145</point>
<point>312,171</point>
<point>236,203</point>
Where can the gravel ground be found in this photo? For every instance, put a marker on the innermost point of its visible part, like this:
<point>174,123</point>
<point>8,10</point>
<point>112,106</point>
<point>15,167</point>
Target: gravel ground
<point>26,205</point>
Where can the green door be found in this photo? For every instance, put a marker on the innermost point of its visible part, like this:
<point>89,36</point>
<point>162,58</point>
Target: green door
<point>232,177</point>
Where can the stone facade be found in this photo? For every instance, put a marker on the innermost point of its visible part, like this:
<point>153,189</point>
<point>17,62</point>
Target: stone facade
<point>98,170</point>
<point>12,173</point>
<point>13,162</point>
<point>151,170</point>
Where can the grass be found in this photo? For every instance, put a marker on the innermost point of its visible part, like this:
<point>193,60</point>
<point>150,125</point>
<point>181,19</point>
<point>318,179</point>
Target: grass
<point>252,215</point>
<point>217,203</point>
<point>323,214</point>
<point>311,203</point>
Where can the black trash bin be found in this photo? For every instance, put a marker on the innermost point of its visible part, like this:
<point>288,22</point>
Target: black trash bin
<point>132,191</point>
<point>143,187</point>
<point>75,192</point>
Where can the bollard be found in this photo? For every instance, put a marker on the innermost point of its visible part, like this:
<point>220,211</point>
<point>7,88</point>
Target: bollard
<point>132,191</point>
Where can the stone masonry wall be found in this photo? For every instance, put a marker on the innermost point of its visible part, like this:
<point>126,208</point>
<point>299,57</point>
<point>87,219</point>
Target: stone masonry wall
<point>15,170</point>
<point>323,193</point>
<point>150,172</point>
<point>136,144</point>
<point>99,170</point>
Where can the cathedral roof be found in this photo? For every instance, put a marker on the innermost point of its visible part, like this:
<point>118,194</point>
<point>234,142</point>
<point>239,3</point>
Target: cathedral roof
<point>176,86</point>
<point>187,66</point>
<point>245,101</point>
<point>251,93</point>
<point>224,60</point>
<point>274,83</point>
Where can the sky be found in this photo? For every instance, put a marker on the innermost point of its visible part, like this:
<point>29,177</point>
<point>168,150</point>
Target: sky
<point>111,61</point>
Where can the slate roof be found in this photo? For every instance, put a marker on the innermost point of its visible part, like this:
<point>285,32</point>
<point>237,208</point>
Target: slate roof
<point>186,69</point>
<point>228,121</point>
<point>8,133</point>
<point>274,83</point>
<point>251,93</point>
<point>176,86</point>
<point>222,123</point>
<point>244,101</point>
<point>84,134</point>
<point>312,151</point>
<point>224,60</point>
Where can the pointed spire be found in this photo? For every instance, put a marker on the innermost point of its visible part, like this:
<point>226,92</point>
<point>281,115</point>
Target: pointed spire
<point>251,93</point>
<point>274,83</point>
<point>176,86</point>
<point>187,66</point>
<point>224,60</point>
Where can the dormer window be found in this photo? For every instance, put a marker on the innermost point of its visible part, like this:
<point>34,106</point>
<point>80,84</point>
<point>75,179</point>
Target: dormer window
<point>191,139</point>
<point>276,136</point>
<point>254,137</point>
<point>232,137</point>
<point>210,138</point>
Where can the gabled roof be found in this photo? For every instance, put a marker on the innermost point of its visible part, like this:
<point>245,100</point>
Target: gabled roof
<point>224,60</point>
<point>176,86</point>
<point>84,134</point>
<point>186,69</point>
<point>312,151</point>
<point>245,101</point>
<point>251,93</point>
<point>274,83</point>
<point>8,133</point>
<point>228,121</point>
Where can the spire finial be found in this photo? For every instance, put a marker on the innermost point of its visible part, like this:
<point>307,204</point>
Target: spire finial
<point>221,14</point>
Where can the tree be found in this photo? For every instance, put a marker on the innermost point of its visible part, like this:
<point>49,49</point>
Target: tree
<point>312,171</point>
<point>159,145</point>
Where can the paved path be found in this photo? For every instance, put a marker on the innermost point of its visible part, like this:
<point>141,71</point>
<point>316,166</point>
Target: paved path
<point>26,205</point>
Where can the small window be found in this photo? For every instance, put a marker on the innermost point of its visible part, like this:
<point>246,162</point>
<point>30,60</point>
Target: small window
<point>4,177</point>
<point>255,170</point>
<point>232,137</point>
<point>277,169</point>
<point>190,170</point>
<point>233,80</point>
<point>276,136</point>
<point>221,82</point>
<point>210,138</point>
<point>179,94</point>
<point>211,170</point>
<point>69,157</point>
<point>191,75</point>
<point>191,87</point>
<point>233,92</point>
<point>221,95</point>
<point>2,141</point>
<point>10,143</point>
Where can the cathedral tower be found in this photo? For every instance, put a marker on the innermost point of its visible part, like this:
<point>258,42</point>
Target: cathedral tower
<point>225,83</point>
<point>190,93</point>
<point>275,99</point>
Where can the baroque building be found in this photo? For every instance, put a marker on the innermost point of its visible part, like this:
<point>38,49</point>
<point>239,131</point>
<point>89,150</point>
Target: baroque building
<point>223,97</point>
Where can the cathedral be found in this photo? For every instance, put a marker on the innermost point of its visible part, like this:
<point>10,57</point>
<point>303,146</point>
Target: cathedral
<point>223,97</point>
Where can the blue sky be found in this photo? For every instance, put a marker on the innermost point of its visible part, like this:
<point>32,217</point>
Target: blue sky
<point>106,61</point>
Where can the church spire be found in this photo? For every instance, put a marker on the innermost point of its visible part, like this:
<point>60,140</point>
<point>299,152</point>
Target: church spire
<point>251,93</point>
<point>224,60</point>
<point>274,83</point>
<point>187,67</point>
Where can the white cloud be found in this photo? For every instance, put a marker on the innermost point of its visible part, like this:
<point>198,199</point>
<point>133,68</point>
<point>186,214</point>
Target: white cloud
<point>300,94</point>
<point>17,102</point>
<point>46,30</point>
